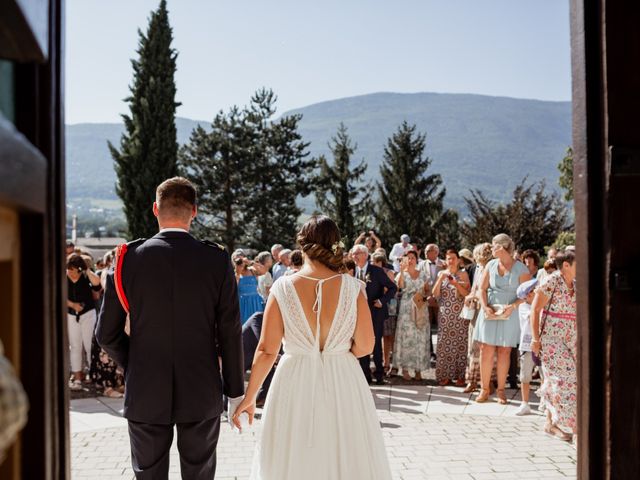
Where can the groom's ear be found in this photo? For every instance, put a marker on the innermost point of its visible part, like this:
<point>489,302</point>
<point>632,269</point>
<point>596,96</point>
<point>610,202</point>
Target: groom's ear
<point>155,209</point>
<point>194,212</point>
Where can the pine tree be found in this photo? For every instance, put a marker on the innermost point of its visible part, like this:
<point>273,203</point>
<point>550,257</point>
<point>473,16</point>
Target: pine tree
<point>214,162</point>
<point>148,148</point>
<point>533,218</point>
<point>410,201</point>
<point>340,190</point>
<point>278,173</point>
<point>566,174</point>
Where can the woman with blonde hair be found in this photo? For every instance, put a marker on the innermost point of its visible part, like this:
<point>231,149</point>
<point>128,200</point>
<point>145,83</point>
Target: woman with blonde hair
<point>482,256</point>
<point>498,324</point>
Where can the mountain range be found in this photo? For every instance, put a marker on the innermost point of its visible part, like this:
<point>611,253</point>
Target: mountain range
<point>474,141</point>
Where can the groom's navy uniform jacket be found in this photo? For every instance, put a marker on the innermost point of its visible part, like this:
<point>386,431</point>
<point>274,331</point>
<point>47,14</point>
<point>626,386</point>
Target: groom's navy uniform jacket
<point>184,314</point>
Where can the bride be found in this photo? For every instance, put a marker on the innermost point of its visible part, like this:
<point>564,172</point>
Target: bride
<point>319,420</point>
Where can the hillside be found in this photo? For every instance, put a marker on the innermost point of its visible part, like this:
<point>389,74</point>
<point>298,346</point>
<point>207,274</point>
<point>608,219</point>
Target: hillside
<point>475,141</point>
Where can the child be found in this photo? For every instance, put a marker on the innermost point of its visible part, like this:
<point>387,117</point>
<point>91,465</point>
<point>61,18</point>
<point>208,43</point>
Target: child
<point>525,292</point>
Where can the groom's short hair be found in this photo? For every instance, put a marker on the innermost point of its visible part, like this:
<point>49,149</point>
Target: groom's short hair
<point>176,198</point>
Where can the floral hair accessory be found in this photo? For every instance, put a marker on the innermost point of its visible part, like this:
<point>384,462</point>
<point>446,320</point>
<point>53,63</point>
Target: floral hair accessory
<point>336,246</point>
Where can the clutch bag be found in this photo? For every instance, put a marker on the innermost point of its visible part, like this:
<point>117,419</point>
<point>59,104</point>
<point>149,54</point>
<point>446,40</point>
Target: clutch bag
<point>499,314</point>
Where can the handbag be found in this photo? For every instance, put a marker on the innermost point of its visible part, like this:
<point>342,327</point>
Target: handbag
<point>419,308</point>
<point>500,312</point>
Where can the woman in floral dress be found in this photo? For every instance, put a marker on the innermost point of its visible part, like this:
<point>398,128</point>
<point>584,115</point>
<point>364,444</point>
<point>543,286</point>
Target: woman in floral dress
<point>553,326</point>
<point>450,289</point>
<point>411,354</point>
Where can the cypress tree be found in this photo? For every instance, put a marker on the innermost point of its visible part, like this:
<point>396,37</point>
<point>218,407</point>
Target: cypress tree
<point>411,201</point>
<point>340,191</point>
<point>566,174</point>
<point>148,148</point>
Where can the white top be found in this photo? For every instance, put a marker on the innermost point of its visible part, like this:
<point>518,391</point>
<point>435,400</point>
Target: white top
<point>397,252</point>
<point>524,312</point>
<point>264,282</point>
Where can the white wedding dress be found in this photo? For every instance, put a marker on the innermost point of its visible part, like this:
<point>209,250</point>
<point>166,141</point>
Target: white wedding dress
<point>319,420</point>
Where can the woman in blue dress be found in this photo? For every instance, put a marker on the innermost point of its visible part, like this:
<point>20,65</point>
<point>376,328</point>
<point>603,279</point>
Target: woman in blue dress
<point>498,326</point>
<point>250,300</point>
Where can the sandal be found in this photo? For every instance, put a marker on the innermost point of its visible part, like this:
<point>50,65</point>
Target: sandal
<point>418,376</point>
<point>405,375</point>
<point>557,432</point>
<point>483,396</point>
<point>444,383</point>
<point>111,393</point>
<point>460,382</point>
<point>502,399</point>
<point>470,388</point>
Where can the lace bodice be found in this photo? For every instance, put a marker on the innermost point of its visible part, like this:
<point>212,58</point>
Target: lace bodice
<point>298,336</point>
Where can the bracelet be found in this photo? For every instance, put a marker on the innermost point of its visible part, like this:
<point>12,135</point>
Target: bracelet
<point>535,341</point>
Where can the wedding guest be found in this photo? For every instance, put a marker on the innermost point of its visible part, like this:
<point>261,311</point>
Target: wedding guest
<point>553,327</point>
<point>250,338</point>
<point>431,266</point>
<point>297,261</point>
<point>105,372</point>
<point>369,240</point>
<point>350,266</point>
<point>389,330</point>
<point>81,314</point>
<point>467,263</point>
<point>498,325</point>
<point>283,264</point>
<point>482,255</point>
<point>398,251</point>
<point>525,292</point>
<point>531,259</point>
<point>380,289</point>
<point>70,248</point>
<point>451,287</point>
<point>263,263</point>
<point>250,299</point>
<point>275,253</point>
<point>411,347</point>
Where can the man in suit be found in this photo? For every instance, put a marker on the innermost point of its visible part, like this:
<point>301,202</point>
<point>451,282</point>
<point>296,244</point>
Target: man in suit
<point>431,267</point>
<point>250,339</point>
<point>185,345</point>
<point>380,289</point>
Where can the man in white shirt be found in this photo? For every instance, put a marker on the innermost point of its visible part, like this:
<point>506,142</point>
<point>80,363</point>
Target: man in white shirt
<point>280,268</point>
<point>398,251</point>
<point>431,267</point>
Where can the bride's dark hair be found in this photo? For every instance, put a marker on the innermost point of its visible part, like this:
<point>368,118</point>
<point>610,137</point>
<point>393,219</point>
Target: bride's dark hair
<point>319,239</point>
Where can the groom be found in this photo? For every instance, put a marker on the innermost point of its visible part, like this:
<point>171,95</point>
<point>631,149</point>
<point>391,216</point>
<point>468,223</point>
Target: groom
<point>185,345</point>
<point>380,289</point>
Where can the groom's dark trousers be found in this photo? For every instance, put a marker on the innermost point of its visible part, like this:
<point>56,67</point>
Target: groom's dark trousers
<point>183,353</point>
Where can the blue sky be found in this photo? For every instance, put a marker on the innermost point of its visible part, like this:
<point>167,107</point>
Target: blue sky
<point>309,52</point>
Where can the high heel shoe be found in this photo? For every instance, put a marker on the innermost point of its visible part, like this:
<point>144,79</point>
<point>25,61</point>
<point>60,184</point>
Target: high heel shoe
<point>502,399</point>
<point>483,396</point>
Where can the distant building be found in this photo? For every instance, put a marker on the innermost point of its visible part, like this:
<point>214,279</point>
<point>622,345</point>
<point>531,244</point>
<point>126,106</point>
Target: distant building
<point>97,247</point>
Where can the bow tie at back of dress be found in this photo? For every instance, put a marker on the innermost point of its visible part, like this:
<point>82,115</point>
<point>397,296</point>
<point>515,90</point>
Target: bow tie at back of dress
<point>317,306</point>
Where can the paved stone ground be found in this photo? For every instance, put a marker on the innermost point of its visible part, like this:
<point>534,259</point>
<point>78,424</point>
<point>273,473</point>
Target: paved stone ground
<point>430,433</point>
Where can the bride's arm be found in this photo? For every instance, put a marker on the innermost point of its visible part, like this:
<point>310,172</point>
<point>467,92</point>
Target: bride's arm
<point>363,336</point>
<point>266,354</point>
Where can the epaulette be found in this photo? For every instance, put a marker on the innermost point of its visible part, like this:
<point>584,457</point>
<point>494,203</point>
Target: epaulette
<point>213,244</point>
<point>121,251</point>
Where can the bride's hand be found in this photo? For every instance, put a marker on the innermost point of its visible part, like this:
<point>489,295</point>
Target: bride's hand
<point>247,406</point>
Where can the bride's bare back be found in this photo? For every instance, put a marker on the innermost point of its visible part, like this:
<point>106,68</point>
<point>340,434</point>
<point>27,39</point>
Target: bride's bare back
<point>306,283</point>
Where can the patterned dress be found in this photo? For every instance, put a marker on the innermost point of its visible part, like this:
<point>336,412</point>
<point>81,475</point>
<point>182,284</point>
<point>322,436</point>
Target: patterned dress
<point>453,333</point>
<point>472,374</point>
<point>411,348</point>
<point>558,393</point>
